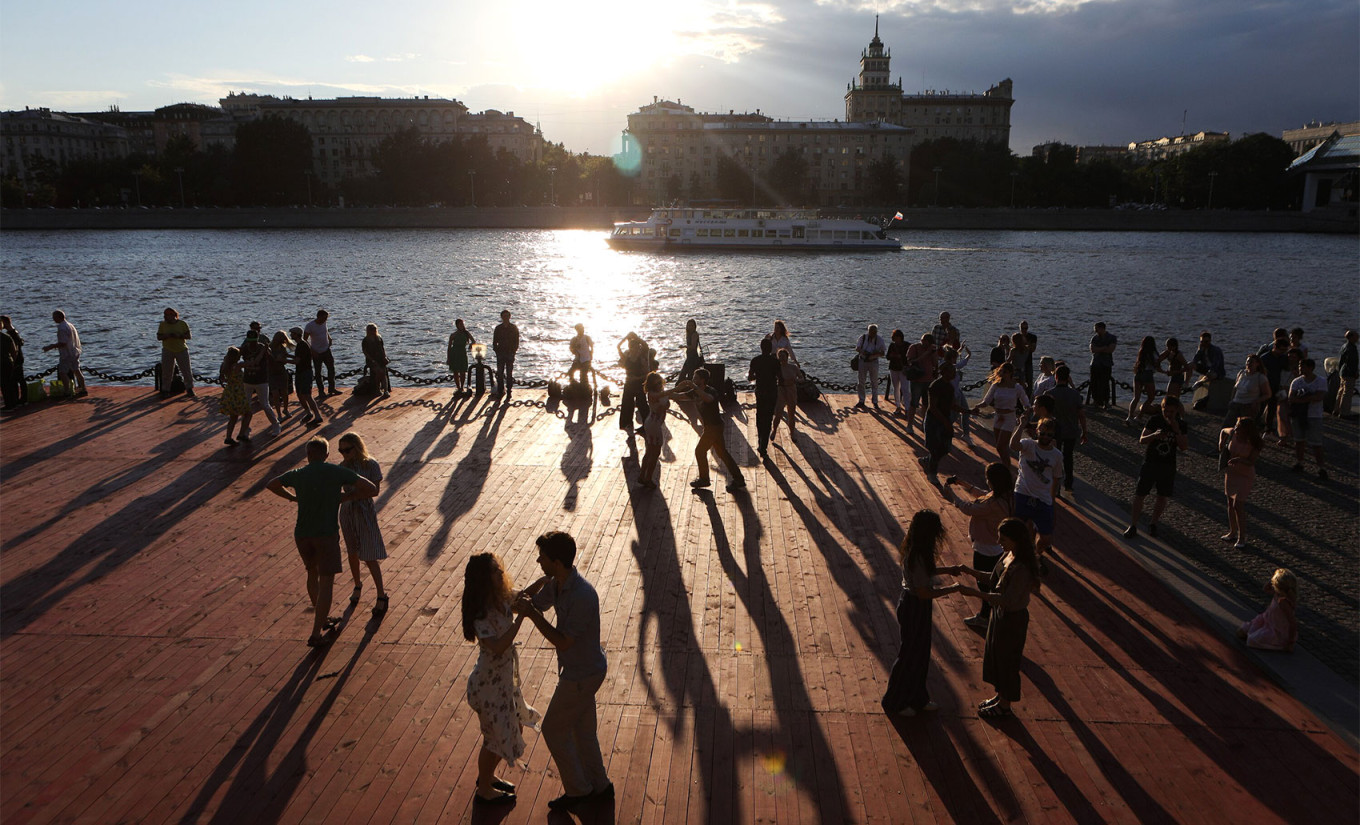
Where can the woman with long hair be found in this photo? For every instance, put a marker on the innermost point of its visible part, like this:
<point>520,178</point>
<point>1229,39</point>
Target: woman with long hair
<point>1144,378</point>
<point>1008,589</point>
<point>279,379</point>
<point>694,354</point>
<point>459,342</point>
<point>1005,395</point>
<point>233,404</point>
<point>779,340</point>
<point>986,510</point>
<point>302,378</point>
<point>906,694</point>
<point>493,688</point>
<point>1177,367</point>
<point>788,391</point>
<point>359,522</point>
<point>654,428</point>
<point>1243,443</point>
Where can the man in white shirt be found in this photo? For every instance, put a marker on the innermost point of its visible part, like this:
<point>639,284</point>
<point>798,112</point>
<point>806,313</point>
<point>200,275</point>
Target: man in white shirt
<point>1041,470</point>
<point>1305,399</point>
<point>870,347</point>
<point>319,339</point>
<point>582,354</point>
<point>68,364</point>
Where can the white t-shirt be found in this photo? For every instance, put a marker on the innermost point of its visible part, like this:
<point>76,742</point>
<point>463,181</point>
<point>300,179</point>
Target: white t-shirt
<point>1038,470</point>
<point>1301,386</point>
<point>1044,383</point>
<point>318,337</point>
<point>1248,387</point>
<point>582,349</point>
<point>66,334</point>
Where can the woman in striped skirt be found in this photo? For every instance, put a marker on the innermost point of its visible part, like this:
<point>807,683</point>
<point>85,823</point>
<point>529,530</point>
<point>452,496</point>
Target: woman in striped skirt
<point>359,522</point>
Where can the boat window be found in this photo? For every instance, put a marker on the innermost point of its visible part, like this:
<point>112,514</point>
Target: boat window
<point>675,233</point>
<point>743,233</point>
<point>770,233</point>
<point>840,234</point>
<point>784,233</point>
<point>703,233</point>
<point>798,232</point>
<point>729,233</point>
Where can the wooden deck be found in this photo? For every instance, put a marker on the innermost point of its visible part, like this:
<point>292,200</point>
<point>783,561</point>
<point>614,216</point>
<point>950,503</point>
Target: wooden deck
<point>154,615</point>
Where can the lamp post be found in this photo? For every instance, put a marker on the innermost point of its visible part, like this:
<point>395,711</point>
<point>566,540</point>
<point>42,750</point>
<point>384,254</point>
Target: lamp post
<point>937,170</point>
<point>552,185</point>
<point>1212,175</point>
<point>308,173</point>
<point>179,173</point>
<point>137,178</point>
<point>472,187</point>
<point>1014,175</point>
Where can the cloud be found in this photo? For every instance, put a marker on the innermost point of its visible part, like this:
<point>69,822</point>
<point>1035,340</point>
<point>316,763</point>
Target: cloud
<point>400,58</point>
<point>214,87</point>
<point>80,99</point>
<point>358,58</point>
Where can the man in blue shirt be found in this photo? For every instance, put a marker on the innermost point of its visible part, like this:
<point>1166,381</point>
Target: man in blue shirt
<point>569,725</point>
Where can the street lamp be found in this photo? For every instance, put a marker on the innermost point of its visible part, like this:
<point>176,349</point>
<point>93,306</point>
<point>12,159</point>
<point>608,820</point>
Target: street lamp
<point>179,173</point>
<point>937,170</point>
<point>472,187</point>
<point>137,177</point>
<point>308,173</point>
<point>1212,175</point>
<point>552,185</point>
<point>1014,175</point>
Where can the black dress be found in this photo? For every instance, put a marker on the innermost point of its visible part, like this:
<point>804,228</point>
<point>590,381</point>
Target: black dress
<point>907,681</point>
<point>1008,628</point>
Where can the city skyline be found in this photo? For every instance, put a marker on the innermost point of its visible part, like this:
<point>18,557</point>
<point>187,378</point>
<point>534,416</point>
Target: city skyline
<point>1085,72</point>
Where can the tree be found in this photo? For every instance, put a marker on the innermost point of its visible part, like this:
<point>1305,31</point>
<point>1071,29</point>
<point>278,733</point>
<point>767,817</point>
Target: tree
<point>270,162</point>
<point>787,177</point>
<point>732,180</point>
<point>884,181</point>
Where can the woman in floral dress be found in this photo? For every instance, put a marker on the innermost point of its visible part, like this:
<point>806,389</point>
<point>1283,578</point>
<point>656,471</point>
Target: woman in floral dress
<point>359,522</point>
<point>234,404</point>
<point>493,688</point>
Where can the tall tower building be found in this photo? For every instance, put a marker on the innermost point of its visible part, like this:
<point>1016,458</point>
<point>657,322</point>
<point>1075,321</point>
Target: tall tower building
<point>873,97</point>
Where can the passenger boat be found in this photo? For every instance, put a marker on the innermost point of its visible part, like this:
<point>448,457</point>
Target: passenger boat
<point>681,228</point>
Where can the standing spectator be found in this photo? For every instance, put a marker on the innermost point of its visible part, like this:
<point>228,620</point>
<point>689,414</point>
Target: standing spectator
<point>1280,334</point>
<point>375,358</point>
<point>1275,362</point>
<point>779,339</point>
<point>1019,354</point>
<point>897,361</point>
<point>1250,391</point>
<point>505,343</point>
<point>582,356</point>
<point>1296,340</point>
<point>1242,444</point>
<point>1067,409</point>
<point>1144,379</point>
<point>319,342</point>
<point>1177,367</point>
<point>1036,485</point>
<point>1208,363</point>
<point>654,428</point>
<point>922,361</point>
<point>713,437</point>
<point>985,513</point>
<point>68,356</point>
<point>233,403</point>
<point>1008,589</point>
<point>359,522</point>
<point>493,688</point>
<point>634,361</point>
<point>302,379</point>
<point>1348,365</point>
<point>12,365</point>
<point>173,333</point>
<point>906,694</point>
<point>946,334</point>
<point>570,726</point>
<point>459,342</point>
<point>764,371</point>
<point>1305,405</point>
<point>694,354</point>
<point>1031,345</point>
<point>1101,392</point>
<point>939,421</point>
<point>1005,395</point>
<point>788,388</point>
<point>1165,435</point>
<point>318,491</point>
<point>1002,351</point>
<point>279,379</point>
<point>1047,380</point>
<point>255,363</point>
<point>870,348</point>
<point>958,361</point>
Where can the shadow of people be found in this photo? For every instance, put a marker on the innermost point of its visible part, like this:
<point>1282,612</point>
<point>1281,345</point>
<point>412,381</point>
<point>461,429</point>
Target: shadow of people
<point>577,460</point>
<point>935,743</point>
<point>466,481</point>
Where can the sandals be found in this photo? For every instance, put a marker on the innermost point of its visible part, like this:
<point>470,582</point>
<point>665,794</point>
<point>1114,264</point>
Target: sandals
<point>327,636</point>
<point>354,597</point>
<point>995,712</point>
<point>380,605</point>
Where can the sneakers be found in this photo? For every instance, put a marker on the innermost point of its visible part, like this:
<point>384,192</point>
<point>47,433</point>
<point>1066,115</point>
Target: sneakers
<point>739,484</point>
<point>979,622</point>
<point>860,406</point>
<point>700,483</point>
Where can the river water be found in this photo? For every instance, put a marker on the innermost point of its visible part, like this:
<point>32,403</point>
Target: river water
<point>113,285</point>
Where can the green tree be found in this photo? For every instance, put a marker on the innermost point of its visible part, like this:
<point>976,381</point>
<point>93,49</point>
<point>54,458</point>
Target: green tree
<point>270,163</point>
<point>787,177</point>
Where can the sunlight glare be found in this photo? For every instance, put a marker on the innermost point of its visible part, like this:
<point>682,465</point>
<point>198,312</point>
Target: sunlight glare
<point>580,47</point>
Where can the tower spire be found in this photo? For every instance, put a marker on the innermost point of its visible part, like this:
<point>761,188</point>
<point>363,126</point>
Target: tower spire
<point>875,27</point>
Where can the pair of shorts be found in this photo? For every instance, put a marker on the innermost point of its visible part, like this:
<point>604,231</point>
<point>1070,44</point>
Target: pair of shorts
<point>68,364</point>
<point>1308,430</point>
<point>918,391</point>
<point>320,553</point>
<point>1159,476</point>
<point>1036,510</point>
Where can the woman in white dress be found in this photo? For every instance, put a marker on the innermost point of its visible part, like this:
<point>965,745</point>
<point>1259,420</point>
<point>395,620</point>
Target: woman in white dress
<point>1004,395</point>
<point>493,688</point>
<point>359,522</point>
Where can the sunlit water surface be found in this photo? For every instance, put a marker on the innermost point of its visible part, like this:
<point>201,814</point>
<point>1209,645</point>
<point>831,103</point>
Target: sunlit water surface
<point>414,283</point>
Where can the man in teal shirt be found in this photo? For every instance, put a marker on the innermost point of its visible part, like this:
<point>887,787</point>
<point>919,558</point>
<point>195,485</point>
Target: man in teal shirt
<point>317,489</point>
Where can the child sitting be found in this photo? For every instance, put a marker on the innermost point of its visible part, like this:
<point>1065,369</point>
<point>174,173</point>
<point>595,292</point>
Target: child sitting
<point>1276,628</point>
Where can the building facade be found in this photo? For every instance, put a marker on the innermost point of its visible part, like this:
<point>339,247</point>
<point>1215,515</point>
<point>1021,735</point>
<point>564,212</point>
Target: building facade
<point>1313,134</point>
<point>1145,151</point>
<point>41,138</point>
<point>872,96</point>
<point>680,152</point>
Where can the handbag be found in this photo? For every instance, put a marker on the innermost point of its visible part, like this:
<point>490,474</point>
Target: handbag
<point>854,362</point>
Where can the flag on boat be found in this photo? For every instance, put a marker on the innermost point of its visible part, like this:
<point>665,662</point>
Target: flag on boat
<point>898,217</point>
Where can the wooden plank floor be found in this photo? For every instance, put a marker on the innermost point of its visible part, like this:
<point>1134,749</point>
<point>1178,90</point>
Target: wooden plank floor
<point>153,618</point>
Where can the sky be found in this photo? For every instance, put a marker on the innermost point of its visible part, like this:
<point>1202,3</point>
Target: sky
<point>1085,71</point>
